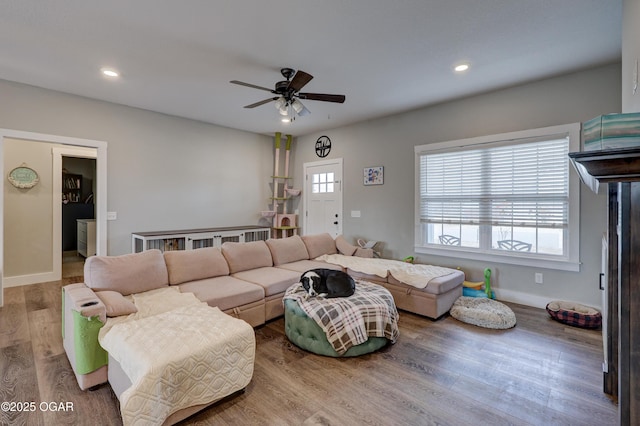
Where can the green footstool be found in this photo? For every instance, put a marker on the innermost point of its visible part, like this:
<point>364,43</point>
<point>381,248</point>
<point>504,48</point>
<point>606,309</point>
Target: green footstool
<point>305,333</point>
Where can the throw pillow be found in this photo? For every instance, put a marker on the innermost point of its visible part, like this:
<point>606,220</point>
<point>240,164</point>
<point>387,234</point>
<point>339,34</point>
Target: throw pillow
<point>344,247</point>
<point>319,244</point>
<point>116,303</point>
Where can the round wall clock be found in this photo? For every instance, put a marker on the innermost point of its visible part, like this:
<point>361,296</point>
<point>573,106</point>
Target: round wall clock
<point>23,177</point>
<point>323,146</point>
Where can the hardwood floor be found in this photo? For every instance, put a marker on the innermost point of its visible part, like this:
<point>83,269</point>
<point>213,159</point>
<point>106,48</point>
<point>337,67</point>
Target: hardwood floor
<point>72,264</point>
<point>439,372</point>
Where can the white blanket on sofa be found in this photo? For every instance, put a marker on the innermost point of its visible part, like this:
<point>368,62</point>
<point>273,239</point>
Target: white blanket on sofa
<point>415,275</point>
<point>177,352</point>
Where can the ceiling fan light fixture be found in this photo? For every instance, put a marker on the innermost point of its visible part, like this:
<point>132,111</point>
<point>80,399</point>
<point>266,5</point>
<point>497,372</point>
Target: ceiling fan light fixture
<point>282,106</point>
<point>297,106</point>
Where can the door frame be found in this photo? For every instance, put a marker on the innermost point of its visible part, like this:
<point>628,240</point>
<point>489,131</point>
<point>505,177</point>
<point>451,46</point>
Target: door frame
<point>100,196</point>
<point>58,153</point>
<point>305,198</point>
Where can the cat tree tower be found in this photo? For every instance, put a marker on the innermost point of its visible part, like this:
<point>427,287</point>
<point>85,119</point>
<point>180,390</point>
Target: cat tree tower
<point>284,223</point>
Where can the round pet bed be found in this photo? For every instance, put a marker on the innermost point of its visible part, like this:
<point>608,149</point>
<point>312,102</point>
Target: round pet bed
<point>305,333</point>
<point>574,314</point>
<point>483,312</point>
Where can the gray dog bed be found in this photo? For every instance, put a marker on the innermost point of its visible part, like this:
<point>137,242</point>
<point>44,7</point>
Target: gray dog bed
<point>483,312</point>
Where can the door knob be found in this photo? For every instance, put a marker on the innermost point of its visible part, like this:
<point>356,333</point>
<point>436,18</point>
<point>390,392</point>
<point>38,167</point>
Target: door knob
<point>335,223</point>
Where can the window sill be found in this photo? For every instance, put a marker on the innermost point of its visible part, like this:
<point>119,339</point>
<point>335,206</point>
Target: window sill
<point>496,257</point>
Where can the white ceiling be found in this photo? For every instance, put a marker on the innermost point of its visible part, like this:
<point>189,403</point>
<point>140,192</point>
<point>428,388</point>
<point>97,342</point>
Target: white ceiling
<point>177,57</point>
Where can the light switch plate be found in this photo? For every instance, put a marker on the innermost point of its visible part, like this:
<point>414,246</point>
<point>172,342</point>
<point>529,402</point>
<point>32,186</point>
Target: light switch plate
<point>112,215</point>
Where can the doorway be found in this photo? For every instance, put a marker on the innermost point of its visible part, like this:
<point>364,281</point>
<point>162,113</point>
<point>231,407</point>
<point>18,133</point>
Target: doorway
<point>78,212</point>
<point>323,197</point>
<point>79,148</point>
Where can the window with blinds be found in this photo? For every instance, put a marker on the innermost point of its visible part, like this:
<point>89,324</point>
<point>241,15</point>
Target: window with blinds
<point>493,195</point>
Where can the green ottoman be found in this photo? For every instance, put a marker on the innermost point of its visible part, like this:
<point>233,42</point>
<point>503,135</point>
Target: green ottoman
<point>305,333</point>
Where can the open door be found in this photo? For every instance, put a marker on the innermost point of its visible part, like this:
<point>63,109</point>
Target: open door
<point>71,202</point>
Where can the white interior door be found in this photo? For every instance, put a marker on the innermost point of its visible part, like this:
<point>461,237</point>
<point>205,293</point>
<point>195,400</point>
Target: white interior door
<point>323,197</point>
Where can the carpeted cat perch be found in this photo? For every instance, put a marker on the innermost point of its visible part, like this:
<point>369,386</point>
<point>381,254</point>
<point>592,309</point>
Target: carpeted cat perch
<point>487,313</point>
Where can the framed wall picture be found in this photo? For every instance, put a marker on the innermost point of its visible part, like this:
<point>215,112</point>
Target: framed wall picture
<point>374,175</point>
<point>23,177</point>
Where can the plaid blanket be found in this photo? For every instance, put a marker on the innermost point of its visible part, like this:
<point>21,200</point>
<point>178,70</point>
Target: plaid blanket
<point>350,321</point>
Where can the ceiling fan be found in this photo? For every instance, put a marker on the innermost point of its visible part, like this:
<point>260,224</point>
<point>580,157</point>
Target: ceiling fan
<point>288,94</point>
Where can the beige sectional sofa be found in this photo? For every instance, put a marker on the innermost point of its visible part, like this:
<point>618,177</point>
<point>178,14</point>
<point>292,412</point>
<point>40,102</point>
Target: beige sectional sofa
<point>244,280</point>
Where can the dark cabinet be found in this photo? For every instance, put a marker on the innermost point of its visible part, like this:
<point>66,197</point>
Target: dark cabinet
<point>620,169</point>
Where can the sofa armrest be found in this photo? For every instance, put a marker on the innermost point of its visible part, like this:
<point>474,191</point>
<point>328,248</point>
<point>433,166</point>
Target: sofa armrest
<point>83,315</point>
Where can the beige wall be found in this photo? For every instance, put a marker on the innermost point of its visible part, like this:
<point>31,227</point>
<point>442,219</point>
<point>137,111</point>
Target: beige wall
<point>387,211</point>
<point>28,227</point>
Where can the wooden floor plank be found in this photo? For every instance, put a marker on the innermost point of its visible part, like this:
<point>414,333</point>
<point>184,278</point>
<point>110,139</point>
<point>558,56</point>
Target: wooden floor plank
<point>440,372</point>
<point>45,329</point>
<point>14,325</point>
<point>59,388</point>
<point>19,386</point>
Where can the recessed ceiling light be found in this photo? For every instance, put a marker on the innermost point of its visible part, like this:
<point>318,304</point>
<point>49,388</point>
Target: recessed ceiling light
<point>109,72</point>
<point>461,67</point>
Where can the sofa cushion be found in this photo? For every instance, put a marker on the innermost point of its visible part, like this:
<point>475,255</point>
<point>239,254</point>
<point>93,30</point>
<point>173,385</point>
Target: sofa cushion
<point>126,274</point>
<point>245,256</point>
<point>438,285</point>
<point>116,303</point>
<point>287,250</point>
<point>302,266</point>
<point>225,292</point>
<point>344,247</point>
<point>191,265</point>
<point>273,280</point>
<point>319,244</point>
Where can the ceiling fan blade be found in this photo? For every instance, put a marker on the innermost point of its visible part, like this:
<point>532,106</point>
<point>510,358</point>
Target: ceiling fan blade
<point>242,83</point>
<point>261,103</point>
<point>299,80</point>
<point>322,97</point>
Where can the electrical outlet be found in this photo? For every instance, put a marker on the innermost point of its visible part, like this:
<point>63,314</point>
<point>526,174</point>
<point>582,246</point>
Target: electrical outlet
<point>538,278</point>
<point>112,215</point>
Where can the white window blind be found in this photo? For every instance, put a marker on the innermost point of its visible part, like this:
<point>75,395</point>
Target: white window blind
<point>507,198</point>
<point>523,184</point>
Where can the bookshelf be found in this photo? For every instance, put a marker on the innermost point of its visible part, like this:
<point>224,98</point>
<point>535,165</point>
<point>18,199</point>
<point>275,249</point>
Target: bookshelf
<point>71,188</point>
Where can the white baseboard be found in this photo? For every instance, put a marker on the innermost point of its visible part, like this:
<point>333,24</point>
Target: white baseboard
<point>29,279</point>
<point>530,299</point>
<point>521,298</point>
